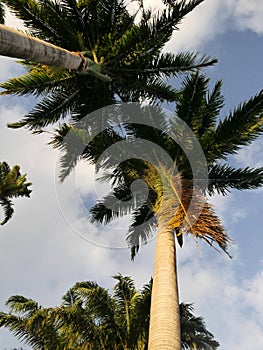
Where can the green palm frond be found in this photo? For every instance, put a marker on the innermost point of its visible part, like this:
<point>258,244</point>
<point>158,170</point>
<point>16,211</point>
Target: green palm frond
<point>2,14</point>
<point>140,229</point>
<point>190,107</point>
<point>121,201</point>
<point>47,20</point>
<point>214,103</point>
<point>48,111</point>
<point>21,305</point>
<point>15,324</point>
<point>222,178</point>
<point>167,65</point>
<point>8,210</point>
<point>124,292</point>
<point>194,334</point>
<point>161,26</point>
<point>239,129</point>
<point>12,185</point>
<point>38,80</point>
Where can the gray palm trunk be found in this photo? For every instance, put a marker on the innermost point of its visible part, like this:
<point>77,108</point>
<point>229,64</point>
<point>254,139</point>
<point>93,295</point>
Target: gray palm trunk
<point>164,332</point>
<point>19,45</point>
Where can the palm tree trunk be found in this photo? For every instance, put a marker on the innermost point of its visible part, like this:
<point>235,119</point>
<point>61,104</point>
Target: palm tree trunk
<point>164,330</point>
<point>16,44</point>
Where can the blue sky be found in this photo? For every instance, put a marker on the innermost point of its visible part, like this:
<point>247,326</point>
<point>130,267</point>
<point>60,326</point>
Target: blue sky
<point>41,255</point>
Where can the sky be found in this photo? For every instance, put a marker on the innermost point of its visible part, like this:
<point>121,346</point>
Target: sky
<point>49,245</point>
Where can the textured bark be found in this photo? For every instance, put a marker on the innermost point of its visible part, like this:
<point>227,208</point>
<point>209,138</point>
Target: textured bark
<point>18,45</point>
<point>164,333</point>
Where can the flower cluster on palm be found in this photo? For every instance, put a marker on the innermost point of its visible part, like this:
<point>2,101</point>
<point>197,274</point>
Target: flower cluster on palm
<point>91,318</point>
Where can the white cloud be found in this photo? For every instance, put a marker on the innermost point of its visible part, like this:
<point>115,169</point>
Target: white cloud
<point>251,156</point>
<point>248,15</point>
<point>12,21</point>
<point>200,26</point>
<point>253,295</point>
<point>231,307</point>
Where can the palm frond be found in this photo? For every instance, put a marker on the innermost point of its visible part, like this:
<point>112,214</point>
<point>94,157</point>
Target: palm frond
<point>2,13</point>
<point>21,305</point>
<point>121,201</point>
<point>213,105</point>
<point>161,26</point>
<point>40,79</point>
<point>140,229</point>
<point>239,129</point>
<point>222,178</point>
<point>46,21</point>
<point>193,331</point>
<point>48,111</point>
<point>190,106</point>
<point>168,65</point>
<point>8,210</point>
<point>12,184</point>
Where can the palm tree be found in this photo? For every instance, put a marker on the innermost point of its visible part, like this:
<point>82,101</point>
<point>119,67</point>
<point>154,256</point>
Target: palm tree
<point>91,318</point>
<point>176,202</point>
<point>12,184</point>
<point>125,47</point>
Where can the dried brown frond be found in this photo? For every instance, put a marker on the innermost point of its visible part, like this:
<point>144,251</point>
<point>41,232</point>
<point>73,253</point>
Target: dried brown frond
<point>187,210</point>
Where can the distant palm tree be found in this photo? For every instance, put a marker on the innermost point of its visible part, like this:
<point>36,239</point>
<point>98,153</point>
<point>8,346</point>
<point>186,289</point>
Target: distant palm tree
<point>91,318</point>
<point>12,184</point>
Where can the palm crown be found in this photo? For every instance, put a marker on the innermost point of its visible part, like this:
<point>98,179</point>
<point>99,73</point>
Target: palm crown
<point>127,47</point>
<point>218,139</point>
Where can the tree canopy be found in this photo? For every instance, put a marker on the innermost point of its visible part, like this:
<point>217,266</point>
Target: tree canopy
<point>90,317</point>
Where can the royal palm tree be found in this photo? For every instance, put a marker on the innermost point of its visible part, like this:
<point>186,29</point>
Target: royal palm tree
<point>92,318</point>
<point>12,184</point>
<point>176,202</point>
<point>125,47</point>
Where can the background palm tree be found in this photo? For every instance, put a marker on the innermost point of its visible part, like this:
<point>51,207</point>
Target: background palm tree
<point>127,47</point>
<point>92,318</point>
<point>172,188</point>
<point>12,184</point>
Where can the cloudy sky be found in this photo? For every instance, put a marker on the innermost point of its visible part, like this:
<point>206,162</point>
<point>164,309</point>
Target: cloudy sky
<point>49,245</point>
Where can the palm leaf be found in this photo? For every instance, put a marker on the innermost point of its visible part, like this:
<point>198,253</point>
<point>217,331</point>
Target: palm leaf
<point>21,305</point>
<point>239,129</point>
<point>222,178</point>
<point>12,184</point>
<point>8,210</point>
<point>2,14</point>
<point>47,20</point>
<point>38,80</point>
